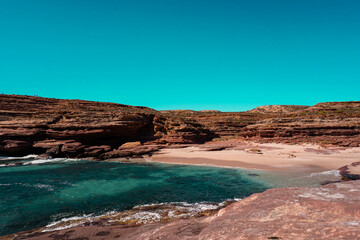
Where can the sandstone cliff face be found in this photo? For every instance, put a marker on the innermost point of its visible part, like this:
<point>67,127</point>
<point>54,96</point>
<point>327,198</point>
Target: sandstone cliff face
<point>76,128</point>
<point>221,124</point>
<point>335,123</point>
<point>327,212</point>
<point>341,132</point>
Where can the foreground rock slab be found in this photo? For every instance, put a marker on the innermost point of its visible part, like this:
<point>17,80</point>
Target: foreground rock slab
<point>327,212</point>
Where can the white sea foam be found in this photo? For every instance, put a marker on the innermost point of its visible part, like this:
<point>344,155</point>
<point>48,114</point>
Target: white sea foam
<point>38,185</point>
<point>44,186</point>
<point>33,160</point>
<point>331,174</point>
<point>74,218</point>
<point>201,206</point>
<point>14,161</point>
<point>335,173</point>
<point>61,227</point>
<point>31,156</point>
<point>140,214</point>
<point>144,217</point>
<point>66,223</point>
<point>51,160</point>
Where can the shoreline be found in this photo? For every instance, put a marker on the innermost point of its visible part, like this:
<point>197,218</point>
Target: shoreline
<point>259,156</point>
<point>281,159</point>
<point>289,209</point>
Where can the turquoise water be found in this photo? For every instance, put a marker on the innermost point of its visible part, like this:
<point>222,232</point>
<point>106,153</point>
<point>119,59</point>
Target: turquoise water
<point>37,194</point>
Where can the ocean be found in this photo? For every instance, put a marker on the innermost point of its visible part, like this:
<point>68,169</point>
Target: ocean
<point>37,193</point>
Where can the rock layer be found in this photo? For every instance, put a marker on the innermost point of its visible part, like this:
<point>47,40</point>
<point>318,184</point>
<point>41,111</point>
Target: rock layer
<point>336,123</point>
<point>76,128</point>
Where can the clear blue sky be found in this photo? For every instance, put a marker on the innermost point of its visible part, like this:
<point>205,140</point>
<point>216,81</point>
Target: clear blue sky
<point>182,54</point>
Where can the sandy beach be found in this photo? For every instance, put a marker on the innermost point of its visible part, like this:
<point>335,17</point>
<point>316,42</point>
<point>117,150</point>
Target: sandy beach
<point>269,156</point>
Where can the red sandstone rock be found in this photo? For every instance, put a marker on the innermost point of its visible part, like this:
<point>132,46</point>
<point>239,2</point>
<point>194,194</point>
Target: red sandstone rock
<point>72,149</point>
<point>33,120</point>
<point>137,151</point>
<point>95,151</point>
<point>350,172</point>
<point>44,124</point>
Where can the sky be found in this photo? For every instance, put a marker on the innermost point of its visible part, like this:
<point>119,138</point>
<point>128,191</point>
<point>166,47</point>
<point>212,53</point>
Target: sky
<point>230,55</point>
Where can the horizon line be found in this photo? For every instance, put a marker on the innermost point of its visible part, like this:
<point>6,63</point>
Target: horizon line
<point>173,109</point>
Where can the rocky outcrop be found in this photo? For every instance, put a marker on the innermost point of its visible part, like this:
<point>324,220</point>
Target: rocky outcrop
<point>278,109</point>
<point>328,212</point>
<point>332,119</point>
<point>336,123</point>
<point>340,132</point>
<point>223,124</point>
<point>76,128</point>
<point>350,172</point>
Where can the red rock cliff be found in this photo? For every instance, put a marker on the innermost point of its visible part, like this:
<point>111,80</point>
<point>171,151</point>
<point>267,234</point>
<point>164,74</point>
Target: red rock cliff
<point>77,128</point>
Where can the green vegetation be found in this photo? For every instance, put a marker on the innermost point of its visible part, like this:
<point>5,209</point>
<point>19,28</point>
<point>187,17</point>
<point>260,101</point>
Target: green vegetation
<point>321,112</point>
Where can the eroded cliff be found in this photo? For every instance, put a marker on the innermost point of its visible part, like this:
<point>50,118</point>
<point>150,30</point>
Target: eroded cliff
<point>77,128</point>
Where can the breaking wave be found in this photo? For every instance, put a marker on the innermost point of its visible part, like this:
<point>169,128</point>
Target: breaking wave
<point>53,160</point>
<point>32,160</point>
<point>143,214</point>
<point>32,156</point>
<point>58,192</point>
<point>335,173</point>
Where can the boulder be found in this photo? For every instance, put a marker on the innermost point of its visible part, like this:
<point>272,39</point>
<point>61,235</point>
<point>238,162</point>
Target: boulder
<point>95,151</point>
<point>72,149</point>
<point>350,172</point>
